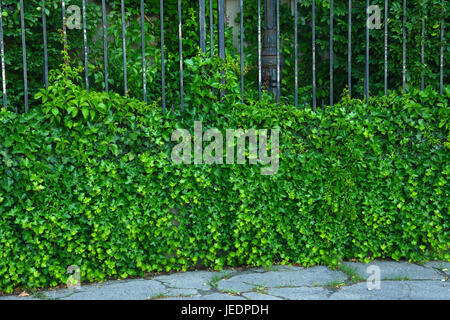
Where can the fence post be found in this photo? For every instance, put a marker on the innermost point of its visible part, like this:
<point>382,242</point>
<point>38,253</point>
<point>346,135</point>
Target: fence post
<point>86,59</point>
<point>367,73</point>
<point>44,34</point>
<point>64,26</point>
<point>163,70</point>
<point>422,48</point>
<point>331,52</point>
<point>211,28</point>
<point>278,53</point>
<point>24,54</point>
<point>404,48</point>
<point>269,53</point>
<point>202,25</point>
<point>441,58</point>
<point>144,64</point>
<point>221,30</point>
<point>349,53</point>
<point>2,52</point>
<point>259,52</point>
<point>314,54</point>
<point>386,9</point>
<point>124,49</point>
<point>296,53</point>
<point>180,44</point>
<point>241,9</point>
<point>105,45</point>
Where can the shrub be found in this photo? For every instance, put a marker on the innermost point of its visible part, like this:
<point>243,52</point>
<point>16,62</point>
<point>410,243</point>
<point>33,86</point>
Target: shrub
<point>88,180</point>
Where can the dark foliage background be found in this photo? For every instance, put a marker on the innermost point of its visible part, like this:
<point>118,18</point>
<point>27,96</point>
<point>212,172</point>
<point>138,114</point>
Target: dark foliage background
<point>433,12</point>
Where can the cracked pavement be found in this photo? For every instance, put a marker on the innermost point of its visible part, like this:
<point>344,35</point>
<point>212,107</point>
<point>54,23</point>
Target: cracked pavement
<point>349,281</point>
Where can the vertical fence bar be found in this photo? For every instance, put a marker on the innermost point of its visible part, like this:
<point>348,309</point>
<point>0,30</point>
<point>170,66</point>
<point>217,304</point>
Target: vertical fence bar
<point>221,34</point>
<point>24,54</point>
<point>44,34</point>
<point>404,48</point>
<point>278,54</point>
<point>221,27</point>
<point>2,54</point>
<point>331,52</point>
<point>422,48</point>
<point>64,27</point>
<point>259,52</point>
<point>163,68</point>
<point>144,62</point>
<point>124,49</point>
<point>314,54</point>
<point>202,25</point>
<point>211,28</point>
<point>105,45</point>
<point>386,9</point>
<point>241,8</point>
<point>367,75</point>
<point>296,52</point>
<point>349,53</point>
<point>180,44</point>
<point>86,50</point>
<point>441,58</point>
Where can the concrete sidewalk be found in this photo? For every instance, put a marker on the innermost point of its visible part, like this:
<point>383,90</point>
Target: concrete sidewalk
<point>354,281</point>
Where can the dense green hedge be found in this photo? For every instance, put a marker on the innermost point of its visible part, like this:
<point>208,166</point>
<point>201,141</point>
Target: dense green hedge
<point>87,180</point>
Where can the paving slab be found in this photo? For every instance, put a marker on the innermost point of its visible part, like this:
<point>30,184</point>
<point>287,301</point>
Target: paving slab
<point>16,297</point>
<point>429,290</point>
<point>389,290</point>
<point>391,270</point>
<point>395,290</point>
<point>399,280</point>
<point>314,276</point>
<point>175,293</point>
<point>192,280</point>
<point>440,265</point>
<point>259,296</point>
<point>302,293</point>
<point>216,296</point>
<point>138,289</point>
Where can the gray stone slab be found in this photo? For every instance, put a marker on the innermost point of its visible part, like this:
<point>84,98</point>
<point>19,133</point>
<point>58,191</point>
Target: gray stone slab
<point>396,290</point>
<point>389,290</point>
<point>217,296</point>
<point>441,265</point>
<point>236,283</point>
<point>259,296</point>
<point>192,280</point>
<point>429,290</point>
<point>16,297</point>
<point>390,270</point>
<point>301,293</point>
<point>138,289</point>
<point>176,293</point>
<point>314,276</point>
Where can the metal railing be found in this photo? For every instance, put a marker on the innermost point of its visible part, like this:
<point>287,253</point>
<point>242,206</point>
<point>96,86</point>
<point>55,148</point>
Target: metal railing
<point>269,5</point>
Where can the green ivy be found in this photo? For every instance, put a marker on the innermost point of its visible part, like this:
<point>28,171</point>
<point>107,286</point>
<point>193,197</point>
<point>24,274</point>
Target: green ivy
<point>87,179</point>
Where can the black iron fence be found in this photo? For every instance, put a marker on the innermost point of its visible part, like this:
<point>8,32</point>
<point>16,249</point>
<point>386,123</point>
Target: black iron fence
<point>269,64</point>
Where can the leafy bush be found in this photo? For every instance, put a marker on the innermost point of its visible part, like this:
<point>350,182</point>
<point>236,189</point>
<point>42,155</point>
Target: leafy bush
<point>88,180</point>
